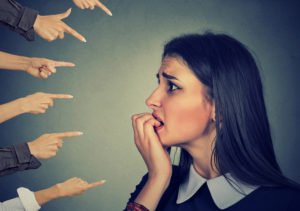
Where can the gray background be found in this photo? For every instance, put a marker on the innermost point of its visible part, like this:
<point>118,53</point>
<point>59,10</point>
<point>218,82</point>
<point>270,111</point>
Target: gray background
<point>115,73</point>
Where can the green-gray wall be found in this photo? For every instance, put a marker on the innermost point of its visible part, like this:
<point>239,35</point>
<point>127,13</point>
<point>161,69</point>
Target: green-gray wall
<point>115,72</point>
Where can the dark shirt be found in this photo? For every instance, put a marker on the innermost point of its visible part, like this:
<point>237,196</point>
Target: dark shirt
<point>17,158</point>
<point>18,18</point>
<point>261,199</point>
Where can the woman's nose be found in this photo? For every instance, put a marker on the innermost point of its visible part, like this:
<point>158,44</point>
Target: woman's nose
<point>154,100</point>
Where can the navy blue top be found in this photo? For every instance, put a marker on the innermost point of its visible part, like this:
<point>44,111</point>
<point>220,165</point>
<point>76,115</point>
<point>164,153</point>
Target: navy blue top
<point>261,199</point>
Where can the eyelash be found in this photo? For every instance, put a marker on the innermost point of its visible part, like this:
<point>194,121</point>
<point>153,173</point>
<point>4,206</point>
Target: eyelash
<point>171,86</point>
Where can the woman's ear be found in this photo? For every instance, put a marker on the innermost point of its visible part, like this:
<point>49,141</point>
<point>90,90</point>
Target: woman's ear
<point>213,112</point>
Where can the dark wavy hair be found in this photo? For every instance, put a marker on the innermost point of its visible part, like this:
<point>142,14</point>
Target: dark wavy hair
<point>243,144</point>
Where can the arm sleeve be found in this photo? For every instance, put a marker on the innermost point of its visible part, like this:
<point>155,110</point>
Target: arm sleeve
<point>137,190</point>
<point>18,18</point>
<point>25,202</point>
<point>17,158</point>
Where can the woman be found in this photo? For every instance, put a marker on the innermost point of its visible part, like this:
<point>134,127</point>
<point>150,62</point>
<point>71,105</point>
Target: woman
<point>209,102</point>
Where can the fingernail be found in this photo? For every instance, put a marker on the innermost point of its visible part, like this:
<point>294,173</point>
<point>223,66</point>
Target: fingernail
<point>109,13</point>
<point>70,96</point>
<point>80,133</point>
<point>103,181</point>
<point>83,40</point>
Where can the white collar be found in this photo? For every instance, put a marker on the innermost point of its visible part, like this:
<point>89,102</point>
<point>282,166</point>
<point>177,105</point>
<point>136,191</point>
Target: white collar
<point>221,190</point>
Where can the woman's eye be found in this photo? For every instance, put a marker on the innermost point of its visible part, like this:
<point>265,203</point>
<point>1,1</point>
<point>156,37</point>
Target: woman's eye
<point>172,87</point>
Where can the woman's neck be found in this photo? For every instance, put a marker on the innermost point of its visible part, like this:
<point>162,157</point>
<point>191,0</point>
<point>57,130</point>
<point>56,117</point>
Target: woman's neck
<point>201,153</point>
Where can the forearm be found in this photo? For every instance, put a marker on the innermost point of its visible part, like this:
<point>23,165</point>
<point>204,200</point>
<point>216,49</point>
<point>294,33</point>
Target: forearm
<point>14,62</point>
<point>152,193</point>
<point>46,195</point>
<point>11,110</point>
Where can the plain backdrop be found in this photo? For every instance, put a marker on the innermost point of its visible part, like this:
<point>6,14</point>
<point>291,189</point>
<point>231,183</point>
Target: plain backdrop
<point>115,72</point>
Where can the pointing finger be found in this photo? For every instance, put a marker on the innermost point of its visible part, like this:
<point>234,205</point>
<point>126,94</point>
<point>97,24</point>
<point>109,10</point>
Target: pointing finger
<point>96,184</point>
<point>63,64</point>
<point>60,96</point>
<point>68,134</point>
<point>74,33</point>
<point>103,7</point>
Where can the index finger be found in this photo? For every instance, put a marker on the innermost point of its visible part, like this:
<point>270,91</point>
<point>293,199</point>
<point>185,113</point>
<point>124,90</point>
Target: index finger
<point>61,96</point>
<point>74,33</point>
<point>103,7</point>
<point>68,134</point>
<point>63,64</point>
<point>95,184</point>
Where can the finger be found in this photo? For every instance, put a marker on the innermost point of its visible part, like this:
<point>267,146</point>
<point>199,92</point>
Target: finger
<point>51,69</point>
<point>50,103</point>
<point>65,14</point>
<point>74,33</point>
<point>68,134</point>
<point>43,74</point>
<point>150,125</point>
<point>40,111</point>
<point>61,96</point>
<point>61,35</point>
<point>63,64</point>
<point>133,121</point>
<point>44,106</point>
<point>60,143</point>
<point>140,123</point>
<point>103,7</point>
<point>96,184</point>
<point>85,5</point>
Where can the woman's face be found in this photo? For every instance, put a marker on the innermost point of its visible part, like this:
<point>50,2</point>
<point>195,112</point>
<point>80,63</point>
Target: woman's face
<point>181,103</point>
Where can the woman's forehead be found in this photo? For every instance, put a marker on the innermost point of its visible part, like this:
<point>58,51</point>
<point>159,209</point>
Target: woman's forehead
<point>174,66</point>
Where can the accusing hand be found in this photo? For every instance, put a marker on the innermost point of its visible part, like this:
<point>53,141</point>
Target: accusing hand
<point>43,68</point>
<point>51,27</point>
<point>47,145</point>
<point>91,4</point>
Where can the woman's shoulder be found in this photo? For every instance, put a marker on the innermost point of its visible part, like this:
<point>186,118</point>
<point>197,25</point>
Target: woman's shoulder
<point>279,198</point>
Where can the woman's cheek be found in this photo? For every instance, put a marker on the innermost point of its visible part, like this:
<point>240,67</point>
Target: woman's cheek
<point>188,122</point>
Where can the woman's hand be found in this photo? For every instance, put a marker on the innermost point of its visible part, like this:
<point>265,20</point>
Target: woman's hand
<point>43,68</point>
<point>39,102</point>
<point>154,154</point>
<point>156,158</point>
<point>91,4</point>
<point>47,145</point>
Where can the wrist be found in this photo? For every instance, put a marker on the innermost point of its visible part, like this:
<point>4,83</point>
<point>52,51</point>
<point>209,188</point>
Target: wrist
<point>22,102</point>
<point>32,149</point>
<point>36,22</point>
<point>18,105</point>
<point>46,195</point>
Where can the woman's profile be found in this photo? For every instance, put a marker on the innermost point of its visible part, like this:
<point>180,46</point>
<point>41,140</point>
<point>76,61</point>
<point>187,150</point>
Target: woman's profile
<point>209,102</point>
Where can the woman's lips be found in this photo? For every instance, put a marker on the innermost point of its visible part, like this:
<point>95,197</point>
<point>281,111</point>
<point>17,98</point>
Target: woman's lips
<point>157,128</point>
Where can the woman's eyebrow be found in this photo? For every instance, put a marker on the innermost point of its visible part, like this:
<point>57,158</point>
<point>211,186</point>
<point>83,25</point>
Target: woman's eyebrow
<point>167,76</point>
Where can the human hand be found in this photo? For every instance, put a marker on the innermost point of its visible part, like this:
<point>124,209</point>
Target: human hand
<point>76,186</point>
<point>90,4</point>
<point>51,27</point>
<point>39,102</point>
<point>47,145</point>
<point>154,154</point>
<point>42,68</point>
